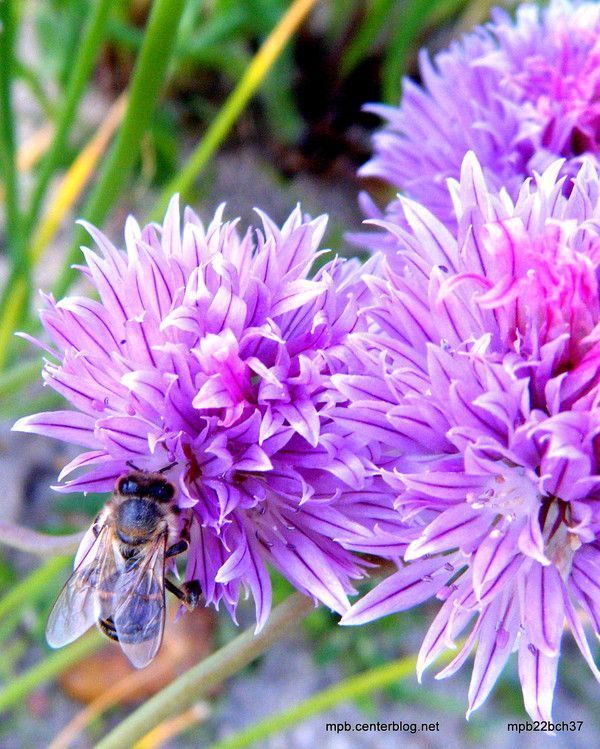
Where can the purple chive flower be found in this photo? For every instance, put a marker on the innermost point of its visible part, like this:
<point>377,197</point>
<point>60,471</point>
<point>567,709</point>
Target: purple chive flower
<point>520,94</point>
<point>483,385</point>
<point>215,350</point>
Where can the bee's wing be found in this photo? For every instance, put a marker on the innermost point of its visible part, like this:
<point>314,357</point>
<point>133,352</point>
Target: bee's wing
<point>139,605</point>
<point>77,606</point>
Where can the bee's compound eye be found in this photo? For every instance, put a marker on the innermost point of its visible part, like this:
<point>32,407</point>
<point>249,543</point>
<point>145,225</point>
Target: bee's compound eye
<point>128,486</point>
<point>161,491</point>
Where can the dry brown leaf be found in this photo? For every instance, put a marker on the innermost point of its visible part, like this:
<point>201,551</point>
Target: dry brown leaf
<point>186,641</point>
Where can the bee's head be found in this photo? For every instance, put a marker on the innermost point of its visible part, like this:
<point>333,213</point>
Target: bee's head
<point>147,485</point>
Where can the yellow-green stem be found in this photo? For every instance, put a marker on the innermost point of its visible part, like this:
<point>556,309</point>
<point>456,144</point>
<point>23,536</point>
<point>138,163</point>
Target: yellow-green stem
<point>7,135</point>
<point>92,37</point>
<point>195,683</point>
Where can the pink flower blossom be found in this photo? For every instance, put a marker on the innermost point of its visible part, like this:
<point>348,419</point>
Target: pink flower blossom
<point>215,350</point>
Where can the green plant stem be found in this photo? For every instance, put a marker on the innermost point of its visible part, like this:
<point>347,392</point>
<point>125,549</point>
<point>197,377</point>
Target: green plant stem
<point>33,542</point>
<point>15,380</point>
<point>35,583</point>
<point>188,688</point>
<point>148,78</point>
<point>475,13</point>
<point>213,32</point>
<point>30,77</point>
<point>7,136</point>
<point>47,400</point>
<point>344,691</point>
<point>239,97</point>
<point>447,9</point>
<point>83,64</point>
<point>22,685</point>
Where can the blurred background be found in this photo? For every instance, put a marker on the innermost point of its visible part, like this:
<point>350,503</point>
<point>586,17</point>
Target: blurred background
<point>105,114</point>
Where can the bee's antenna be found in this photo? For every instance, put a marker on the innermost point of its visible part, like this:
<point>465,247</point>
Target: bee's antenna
<point>166,468</point>
<point>132,465</point>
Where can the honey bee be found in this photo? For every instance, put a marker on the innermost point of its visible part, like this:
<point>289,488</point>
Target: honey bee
<point>120,582</point>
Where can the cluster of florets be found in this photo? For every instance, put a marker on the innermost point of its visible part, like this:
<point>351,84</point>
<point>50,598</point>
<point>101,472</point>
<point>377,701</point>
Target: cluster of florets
<point>484,345</point>
<point>214,351</point>
<point>518,93</point>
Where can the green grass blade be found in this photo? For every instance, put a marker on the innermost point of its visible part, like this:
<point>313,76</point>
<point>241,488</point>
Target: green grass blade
<point>15,379</point>
<point>148,78</point>
<point>15,296</point>
<point>363,42</point>
<point>349,689</point>
<point>87,52</point>
<point>30,76</point>
<point>406,38</point>
<point>217,30</point>
<point>235,104</point>
<point>7,137</point>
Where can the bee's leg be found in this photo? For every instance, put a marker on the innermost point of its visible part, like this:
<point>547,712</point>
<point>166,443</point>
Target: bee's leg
<point>176,549</point>
<point>187,524</point>
<point>189,593</point>
<point>174,590</point>
<point>192,592</point>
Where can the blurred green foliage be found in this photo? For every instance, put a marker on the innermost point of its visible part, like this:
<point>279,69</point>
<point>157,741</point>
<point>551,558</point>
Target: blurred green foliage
<point>216,41</point>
